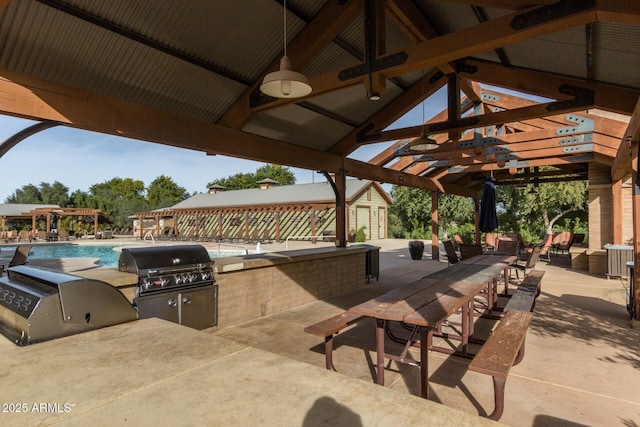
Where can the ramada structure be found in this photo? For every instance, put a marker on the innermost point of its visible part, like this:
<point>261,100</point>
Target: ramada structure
<point>190,77</point>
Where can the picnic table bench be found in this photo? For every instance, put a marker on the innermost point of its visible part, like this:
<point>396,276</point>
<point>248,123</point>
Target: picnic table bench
<point>505,347</point>
<point>328,329</point>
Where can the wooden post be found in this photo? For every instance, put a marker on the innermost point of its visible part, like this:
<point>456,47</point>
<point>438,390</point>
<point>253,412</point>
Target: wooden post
<point>435,250</point>
<point>476,204</point>
<point>341,209</point>
<point>616,190</point>
<point>312,218</point>
<point>636,227</point>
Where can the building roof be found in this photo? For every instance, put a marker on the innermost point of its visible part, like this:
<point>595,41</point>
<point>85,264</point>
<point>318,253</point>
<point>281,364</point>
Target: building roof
<point>282,195</point>
<point>17,209</point>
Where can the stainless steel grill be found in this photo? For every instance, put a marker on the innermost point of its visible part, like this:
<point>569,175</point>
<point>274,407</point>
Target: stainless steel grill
<point>37,304</point>
<point>175,283</point>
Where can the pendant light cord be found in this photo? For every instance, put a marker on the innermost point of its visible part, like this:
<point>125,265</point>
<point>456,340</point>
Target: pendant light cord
<point>284,19</point>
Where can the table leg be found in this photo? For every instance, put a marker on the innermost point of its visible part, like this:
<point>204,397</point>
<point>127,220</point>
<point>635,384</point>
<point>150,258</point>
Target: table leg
<point>424,362</point>
<point>467,325</point>
<point>380,328</point>
<point>506,280</point>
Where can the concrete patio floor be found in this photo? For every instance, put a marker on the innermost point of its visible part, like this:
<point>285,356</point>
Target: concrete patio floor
<point>582,363</point>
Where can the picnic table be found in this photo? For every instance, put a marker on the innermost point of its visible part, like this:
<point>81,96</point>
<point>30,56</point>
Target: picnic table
<point>427,303</point>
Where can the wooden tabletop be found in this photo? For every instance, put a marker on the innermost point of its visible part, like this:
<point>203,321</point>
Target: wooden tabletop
<point>430,300</point>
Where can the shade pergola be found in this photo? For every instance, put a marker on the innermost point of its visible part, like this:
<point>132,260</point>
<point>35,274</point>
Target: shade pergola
<point>189,77</point>
<point>50,212</point>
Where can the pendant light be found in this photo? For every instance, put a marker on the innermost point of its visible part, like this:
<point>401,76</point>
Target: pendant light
<point>285,83</point>
<point>424,142</point>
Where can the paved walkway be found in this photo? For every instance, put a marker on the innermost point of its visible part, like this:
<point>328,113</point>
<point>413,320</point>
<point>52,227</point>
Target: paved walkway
<point>582,365</point>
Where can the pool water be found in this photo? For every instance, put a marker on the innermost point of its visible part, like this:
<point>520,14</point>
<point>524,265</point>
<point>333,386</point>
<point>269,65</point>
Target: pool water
<point>108,255</point>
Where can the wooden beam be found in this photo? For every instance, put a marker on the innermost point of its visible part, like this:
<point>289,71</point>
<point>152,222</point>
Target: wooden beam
<point>395,109</point>
<point>610,98</point>
<point>517,114</point>
<point>35,99</point>
<point>622,162</point>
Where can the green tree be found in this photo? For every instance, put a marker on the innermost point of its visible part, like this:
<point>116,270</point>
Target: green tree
<point>412,207</point>
<point>454,212</point>
<point>119,198</point>
<point>282,174</point>
<point>241,181</point>
<point>45,193</point>
<point>163,192</point>
<point>411,210</point>
<point>54,194</point>
<point>535,210</point>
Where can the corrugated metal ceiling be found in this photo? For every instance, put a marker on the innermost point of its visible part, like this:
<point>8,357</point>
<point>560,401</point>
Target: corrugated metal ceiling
<point>197,59</point>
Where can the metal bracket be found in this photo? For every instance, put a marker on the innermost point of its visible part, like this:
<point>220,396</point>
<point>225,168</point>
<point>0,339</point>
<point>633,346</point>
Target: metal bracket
<point>550,12</point>
<point>422,158</point>
<point>363,134</point>
<point>586,137</point>
<point>456,169</point>
<point>582,98</point>
<point>379,64</point>
<point>581,159</point>
<point>516,164</point>
<point>476,142</point>
<point>451,124</point>
<point>584,125</point>
<point>578,148</point>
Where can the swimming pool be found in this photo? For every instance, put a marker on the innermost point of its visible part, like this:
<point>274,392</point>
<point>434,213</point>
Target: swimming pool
<point>107,254</point>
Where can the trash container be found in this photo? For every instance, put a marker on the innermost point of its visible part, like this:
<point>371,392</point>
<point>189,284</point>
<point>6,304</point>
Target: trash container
<point>372,268</point>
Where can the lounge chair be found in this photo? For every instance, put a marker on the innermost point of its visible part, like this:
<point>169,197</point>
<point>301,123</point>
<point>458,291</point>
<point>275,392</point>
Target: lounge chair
<point>19,257</point>
<point>563,242</point>
<point>545,251</point>
<point>452,256</point>
<point>469,250</point>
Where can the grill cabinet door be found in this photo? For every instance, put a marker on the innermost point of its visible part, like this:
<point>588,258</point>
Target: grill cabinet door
<point>198,307</point>
<point>164,306</point>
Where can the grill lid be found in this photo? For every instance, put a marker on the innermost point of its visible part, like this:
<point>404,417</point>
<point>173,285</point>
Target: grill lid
<point>141,260</point>
<point>37,304</point>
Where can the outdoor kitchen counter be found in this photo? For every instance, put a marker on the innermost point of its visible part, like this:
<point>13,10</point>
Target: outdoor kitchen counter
<point>152,372</point>
<point>268,259</point>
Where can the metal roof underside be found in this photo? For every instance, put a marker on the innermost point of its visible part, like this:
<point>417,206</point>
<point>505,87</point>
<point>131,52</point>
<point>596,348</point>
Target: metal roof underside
<point>187,74</point>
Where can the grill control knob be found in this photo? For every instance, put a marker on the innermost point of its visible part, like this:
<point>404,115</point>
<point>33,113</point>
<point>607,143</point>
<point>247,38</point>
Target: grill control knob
<point>177,279</point>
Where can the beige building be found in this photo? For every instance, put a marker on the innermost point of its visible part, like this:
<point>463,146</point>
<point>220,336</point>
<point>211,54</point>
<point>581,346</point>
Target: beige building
<point>270,212</point>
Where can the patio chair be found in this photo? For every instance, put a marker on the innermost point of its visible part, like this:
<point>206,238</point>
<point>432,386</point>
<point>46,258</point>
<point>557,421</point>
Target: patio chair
<point>491,241</point>
<point>452,256</point>
<point>469,250</point>
<point>528,265</point>
<point>509,247</point>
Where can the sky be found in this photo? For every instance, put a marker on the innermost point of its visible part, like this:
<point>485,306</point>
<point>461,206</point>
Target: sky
<point>79,159</point>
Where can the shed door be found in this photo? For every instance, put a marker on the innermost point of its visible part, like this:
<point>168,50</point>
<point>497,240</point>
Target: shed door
<point>382,223</point>
<point>363,218</point>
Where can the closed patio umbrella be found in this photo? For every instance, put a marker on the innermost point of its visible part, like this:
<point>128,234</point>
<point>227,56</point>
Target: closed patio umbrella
<point>488,216</point>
